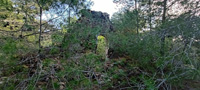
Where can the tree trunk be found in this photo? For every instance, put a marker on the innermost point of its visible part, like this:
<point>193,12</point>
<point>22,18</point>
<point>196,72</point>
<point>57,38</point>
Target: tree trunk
<point>136,16</point>
<point>69,15</point>
<point>162,51</point>
<point>21,35</point>
<point>63,46</point>
<point>150,25</point>
<point>69,21</point>
<point>164,11</point>
<point>40,30</point>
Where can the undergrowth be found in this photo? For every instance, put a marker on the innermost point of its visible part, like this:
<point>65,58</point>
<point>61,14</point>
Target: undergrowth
<point>140,66</point>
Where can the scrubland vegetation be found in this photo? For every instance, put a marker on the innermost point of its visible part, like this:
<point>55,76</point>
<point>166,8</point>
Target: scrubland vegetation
<point>147,45</point>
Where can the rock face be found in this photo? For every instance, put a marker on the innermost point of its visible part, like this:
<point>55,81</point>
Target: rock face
<point>83,34</point>
<point>96,19</point>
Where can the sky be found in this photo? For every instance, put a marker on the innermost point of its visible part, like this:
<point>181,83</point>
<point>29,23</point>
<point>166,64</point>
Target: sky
<point>105,6</point>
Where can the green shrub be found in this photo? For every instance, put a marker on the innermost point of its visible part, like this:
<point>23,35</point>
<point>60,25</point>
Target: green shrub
<point>175,66</point>
<point>57,38</point>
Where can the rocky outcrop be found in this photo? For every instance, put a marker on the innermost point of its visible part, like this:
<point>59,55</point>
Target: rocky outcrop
<point>83,34</point>
<point>96,19</point>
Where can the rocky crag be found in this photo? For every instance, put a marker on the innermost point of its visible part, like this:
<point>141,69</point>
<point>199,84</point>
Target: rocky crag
<point>83,34</point>
<point>96,19</point>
